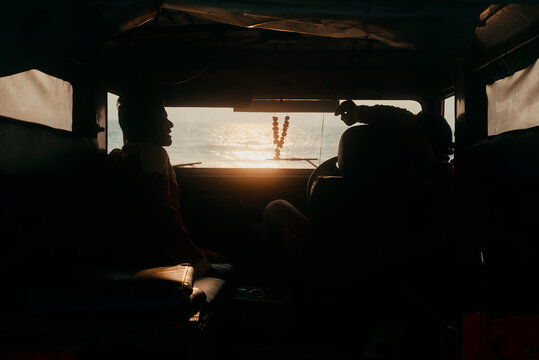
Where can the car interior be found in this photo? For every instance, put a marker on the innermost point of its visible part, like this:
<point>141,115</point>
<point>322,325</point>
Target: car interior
<point>393,267</point>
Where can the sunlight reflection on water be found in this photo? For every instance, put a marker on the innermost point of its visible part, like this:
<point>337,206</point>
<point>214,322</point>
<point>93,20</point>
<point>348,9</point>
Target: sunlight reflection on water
<point>219,137</point>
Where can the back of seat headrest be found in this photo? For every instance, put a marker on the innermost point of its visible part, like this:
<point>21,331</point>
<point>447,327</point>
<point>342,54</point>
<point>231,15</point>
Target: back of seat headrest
<point>509,156</point>
<point>368,152</point>
<point>28,148</point>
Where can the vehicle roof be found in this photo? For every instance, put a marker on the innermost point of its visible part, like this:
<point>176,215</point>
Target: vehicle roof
<point>229,52</point>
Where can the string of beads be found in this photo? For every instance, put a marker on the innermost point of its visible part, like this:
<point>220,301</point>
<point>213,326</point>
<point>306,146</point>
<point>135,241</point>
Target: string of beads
<point>279,142</point>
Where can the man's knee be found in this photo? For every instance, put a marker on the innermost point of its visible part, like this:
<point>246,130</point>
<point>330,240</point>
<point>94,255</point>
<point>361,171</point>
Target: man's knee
<point>279,214</point>
<point>277,206</point>
<point>280,211</point>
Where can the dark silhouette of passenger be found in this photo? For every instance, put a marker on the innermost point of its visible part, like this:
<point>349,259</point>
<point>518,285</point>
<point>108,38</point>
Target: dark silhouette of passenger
<point>146,129</point>
<point>426,138</point>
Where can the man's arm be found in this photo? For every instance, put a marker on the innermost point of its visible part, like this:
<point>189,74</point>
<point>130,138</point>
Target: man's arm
<point>384,116</point>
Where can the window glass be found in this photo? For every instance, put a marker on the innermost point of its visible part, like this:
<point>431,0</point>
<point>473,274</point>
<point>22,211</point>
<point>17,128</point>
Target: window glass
<point>449,115</point>
<point>37,97</point>
<point>114,133</point>
<point>220,137</point>
<point>513,102</point>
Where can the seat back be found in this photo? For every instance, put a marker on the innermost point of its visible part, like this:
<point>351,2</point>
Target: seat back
<point>372,226</point>
<point>65,206</point>
<point>348,212</point>
<point>49,190</point>
<point>499,182</point>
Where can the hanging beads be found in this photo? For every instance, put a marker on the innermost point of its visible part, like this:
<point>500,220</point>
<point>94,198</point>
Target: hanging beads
<point>275,130</point>
<point>279,142</point>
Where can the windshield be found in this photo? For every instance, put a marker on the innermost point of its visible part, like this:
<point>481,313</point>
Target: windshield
<point>222,138</point>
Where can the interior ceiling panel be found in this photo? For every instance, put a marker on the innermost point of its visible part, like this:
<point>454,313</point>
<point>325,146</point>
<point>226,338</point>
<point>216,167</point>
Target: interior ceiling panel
<point>262,47</point>
<point>407,24</point>
<point>499,23</point>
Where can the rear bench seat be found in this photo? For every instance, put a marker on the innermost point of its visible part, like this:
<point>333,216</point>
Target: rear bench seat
<point>56,293</point>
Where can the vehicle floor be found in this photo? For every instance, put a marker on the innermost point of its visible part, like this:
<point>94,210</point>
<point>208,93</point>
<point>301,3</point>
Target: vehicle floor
<point>272,328</point>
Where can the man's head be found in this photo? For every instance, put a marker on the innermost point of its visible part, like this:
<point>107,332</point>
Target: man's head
<point>143,118</point>
<point>347,109</point>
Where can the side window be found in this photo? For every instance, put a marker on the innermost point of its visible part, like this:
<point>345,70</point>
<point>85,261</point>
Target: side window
<point>114,132</point>
<point>513,102</point>
<point>449,113</point>
<point>37,97</point>
<point>223,138</point>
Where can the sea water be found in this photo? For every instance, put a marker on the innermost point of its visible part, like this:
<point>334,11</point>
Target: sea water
<point>220,137</point>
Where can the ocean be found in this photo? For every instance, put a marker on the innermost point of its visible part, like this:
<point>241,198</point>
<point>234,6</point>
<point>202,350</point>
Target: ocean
<point>221,138</point>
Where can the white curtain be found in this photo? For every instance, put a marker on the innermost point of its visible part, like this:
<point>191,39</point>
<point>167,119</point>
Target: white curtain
<point>37,97</point>
<point>513,102</point>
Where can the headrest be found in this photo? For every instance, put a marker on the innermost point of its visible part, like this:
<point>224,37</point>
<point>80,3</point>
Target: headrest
<point>509,156</point>
<point>369,153</point>
<point>32,148</point>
